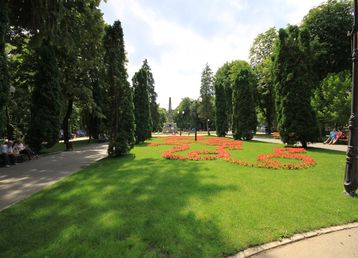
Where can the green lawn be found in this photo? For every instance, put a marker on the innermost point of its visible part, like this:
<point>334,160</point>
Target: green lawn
<point>142,205</point>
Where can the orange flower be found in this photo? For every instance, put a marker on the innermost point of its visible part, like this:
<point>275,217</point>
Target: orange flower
<point>181,143</point>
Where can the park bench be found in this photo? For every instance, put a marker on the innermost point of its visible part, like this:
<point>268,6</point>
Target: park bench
<point>275,134</point>
<point>19,159</point>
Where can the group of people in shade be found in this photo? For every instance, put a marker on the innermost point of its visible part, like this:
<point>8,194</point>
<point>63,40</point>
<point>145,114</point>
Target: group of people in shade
<point>10,152</point>
<point>333,136</point>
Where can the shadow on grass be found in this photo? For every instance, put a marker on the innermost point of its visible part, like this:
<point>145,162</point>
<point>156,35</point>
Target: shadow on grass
<point>116,208</point>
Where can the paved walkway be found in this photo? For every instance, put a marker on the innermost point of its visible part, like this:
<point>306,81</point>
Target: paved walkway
<point>333,245</point>
<point>338,147</point>
<point>20,181</point>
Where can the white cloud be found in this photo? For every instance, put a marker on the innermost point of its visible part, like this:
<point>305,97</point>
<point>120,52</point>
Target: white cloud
<point>177,52</point>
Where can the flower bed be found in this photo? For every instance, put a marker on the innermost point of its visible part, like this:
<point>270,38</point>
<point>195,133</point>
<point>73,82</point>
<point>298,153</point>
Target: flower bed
<point>223,145</point>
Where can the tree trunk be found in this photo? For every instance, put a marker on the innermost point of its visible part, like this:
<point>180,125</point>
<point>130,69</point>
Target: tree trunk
<point>304,144</point>
<point>66,132</point>
<point>269,124</point>
<point>9,126</point>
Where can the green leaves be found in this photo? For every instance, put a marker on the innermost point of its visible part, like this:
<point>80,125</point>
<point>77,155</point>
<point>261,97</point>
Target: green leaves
<point>333,98</point>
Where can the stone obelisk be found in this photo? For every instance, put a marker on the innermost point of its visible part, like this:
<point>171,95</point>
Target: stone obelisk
<point>170,111</point>
<point>170,127</point>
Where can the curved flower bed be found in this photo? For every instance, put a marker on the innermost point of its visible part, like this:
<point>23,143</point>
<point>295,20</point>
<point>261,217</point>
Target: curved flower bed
<point>221,152</point>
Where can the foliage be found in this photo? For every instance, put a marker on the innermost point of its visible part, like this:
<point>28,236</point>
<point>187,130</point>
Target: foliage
<point>244,110</point>
<point>206,107</point>
<point>154,114</point>
<point>141,106</point>
<point>4,76</point>
<point>22,70</point>
<point>222,84</point>
<point>328,25</point>
<point>262,48</point>
<point>162,117</point>
<point>333,98</point>
<point>145,206</point>
<point>46,101</point>
<point>182,116</point>
<point>80,58</point>
<point>194,114</point>
<point>293,85</point>
<point>261,59</point>
<point>121,138</point>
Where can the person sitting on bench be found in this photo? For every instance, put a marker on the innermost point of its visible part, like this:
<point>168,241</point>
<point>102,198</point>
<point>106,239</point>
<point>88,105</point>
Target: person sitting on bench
<point>8,154</point>
<point>20,148</point>
<point>338,135</point>
<point>331,137</point>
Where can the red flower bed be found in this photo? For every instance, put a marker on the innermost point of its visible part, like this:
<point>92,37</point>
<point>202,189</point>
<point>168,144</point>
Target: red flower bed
<point>181,143</point>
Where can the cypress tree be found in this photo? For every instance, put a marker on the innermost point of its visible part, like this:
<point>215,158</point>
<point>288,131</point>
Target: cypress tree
<point>221,84</point>
<point>154,107</point>
<point>141,106</point>
<point>121,136</point>
<point>46,100</point>
<point>4,77</point>
<point>244,110</point>
<point>206,109</point>
<point>293,86</point>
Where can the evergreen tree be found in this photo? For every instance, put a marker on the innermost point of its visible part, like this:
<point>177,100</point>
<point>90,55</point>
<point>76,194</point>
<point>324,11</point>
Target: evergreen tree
<point>154,113</point>
<point>244,110</point>
<point>141,106</point>
<point>206,107</point>
<point>121,139</point>
<point>222,86</point>
<point>4,77</point>
<point>46,100</point>
<point>293,86</point>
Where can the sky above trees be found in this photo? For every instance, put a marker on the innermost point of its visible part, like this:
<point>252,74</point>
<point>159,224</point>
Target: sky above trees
<point>178,37</point>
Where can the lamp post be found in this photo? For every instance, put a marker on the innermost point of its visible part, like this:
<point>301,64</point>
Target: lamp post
<point>196,119</point>
<point>207,125</point>
<point>351,172</point>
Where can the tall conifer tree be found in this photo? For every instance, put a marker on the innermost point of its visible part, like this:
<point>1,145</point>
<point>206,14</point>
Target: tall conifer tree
<point>293,86</point>
<point>206,109</point>
<point>141,106</point>
<point>122,126</point>
<point>4,78</point>
<point>154,107</point>
<point>46,100</point>
<point>244,119</point>
<point>222,83</point>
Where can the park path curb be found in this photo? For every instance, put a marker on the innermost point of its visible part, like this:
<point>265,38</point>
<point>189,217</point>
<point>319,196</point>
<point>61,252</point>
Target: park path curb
<point>295,238</point>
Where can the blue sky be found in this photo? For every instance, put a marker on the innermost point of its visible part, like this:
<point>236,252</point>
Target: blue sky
<point>178,37</point>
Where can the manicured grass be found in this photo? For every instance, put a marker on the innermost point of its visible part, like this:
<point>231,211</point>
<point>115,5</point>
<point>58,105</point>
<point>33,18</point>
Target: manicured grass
<point>142,205</point>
